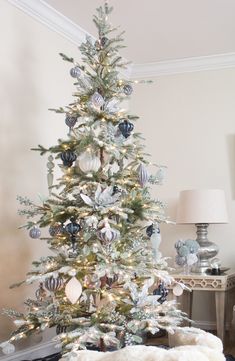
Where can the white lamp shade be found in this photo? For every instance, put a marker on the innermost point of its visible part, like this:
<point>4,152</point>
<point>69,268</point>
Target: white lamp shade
<point>73,290</point>
<point>202,206</point>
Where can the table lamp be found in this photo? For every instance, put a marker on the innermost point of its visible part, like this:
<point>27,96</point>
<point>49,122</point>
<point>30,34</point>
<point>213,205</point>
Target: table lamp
<point>202,207</point>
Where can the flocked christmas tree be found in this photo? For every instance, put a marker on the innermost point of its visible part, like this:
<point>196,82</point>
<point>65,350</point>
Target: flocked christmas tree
<point>105,284</point>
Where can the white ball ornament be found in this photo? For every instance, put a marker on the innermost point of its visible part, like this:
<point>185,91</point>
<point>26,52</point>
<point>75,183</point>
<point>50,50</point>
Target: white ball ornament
<point>88,162</point>
<point>178,290</point>
<point>8,349</point>
<point>73,290</point>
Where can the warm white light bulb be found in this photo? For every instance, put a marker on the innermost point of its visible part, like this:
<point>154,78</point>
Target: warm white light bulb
<point>73,290</point>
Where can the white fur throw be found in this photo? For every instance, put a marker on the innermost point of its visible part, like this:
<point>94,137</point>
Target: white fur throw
<point>212,351</point>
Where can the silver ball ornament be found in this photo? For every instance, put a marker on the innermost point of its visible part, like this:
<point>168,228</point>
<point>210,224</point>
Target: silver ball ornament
<point>35,232</point>
<point>127,89</point>
<point>75,72</point>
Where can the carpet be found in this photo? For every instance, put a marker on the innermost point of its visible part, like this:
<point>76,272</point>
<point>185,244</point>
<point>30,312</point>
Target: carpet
<point>56,357</point>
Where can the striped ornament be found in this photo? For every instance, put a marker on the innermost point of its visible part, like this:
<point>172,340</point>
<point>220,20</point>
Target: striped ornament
<point>53,284</point>
<point>108,235</point>
<point>143,175</point>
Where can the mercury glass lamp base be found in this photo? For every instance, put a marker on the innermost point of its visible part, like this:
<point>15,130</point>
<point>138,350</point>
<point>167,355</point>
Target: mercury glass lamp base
<point>207,250</point>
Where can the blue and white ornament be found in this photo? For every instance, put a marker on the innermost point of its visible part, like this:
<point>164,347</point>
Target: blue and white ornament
<point>53,284</point>
<point>125,128</point>
<point>35,232</point>
<point>143,175</point>
<point>107,234</point>
<point>68,157</point>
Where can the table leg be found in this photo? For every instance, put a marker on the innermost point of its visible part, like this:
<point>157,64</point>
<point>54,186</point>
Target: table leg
<point>220,313</point>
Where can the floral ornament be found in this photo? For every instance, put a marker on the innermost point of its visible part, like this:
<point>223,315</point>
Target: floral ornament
<point>141,299</point>
<point>102,198</point>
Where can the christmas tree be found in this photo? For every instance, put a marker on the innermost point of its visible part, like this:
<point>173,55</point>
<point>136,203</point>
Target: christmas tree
<point>105,284</point>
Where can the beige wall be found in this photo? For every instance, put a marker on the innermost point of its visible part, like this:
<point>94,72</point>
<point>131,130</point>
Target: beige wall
<point>188,122</point>
<point>33,78</point>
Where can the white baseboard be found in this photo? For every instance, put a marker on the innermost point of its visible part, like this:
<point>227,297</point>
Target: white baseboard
<point>43,349</point>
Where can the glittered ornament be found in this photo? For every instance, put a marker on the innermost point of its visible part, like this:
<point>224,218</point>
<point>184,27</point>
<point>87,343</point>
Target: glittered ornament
<point>89,162</point>
<point>75,72</point>
<point>126,128</point>
<point>104,41</point>
<point>155,240</point>
<point>8,348</point>
<point>53,284</point>
<point>107,234</point>
<point>56,229</point>
<point>115,190</point>
<point>61,329</point>
<point>150,230</point>
<point>162,291</point>
<point>68,157</point>
<point>143,175</point>
<point>72,228</point>
<point>127,89</point>
<point>35,232</point>
<point>40,293</point>
<point>97,100</point>
<point>73,290</point>
<point>70,121</point>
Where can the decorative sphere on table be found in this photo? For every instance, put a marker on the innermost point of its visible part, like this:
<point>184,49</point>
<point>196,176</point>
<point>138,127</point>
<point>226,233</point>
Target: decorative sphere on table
<point>35,232</point>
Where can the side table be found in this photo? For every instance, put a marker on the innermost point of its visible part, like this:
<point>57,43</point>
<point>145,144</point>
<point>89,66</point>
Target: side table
<point>220,285</point>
